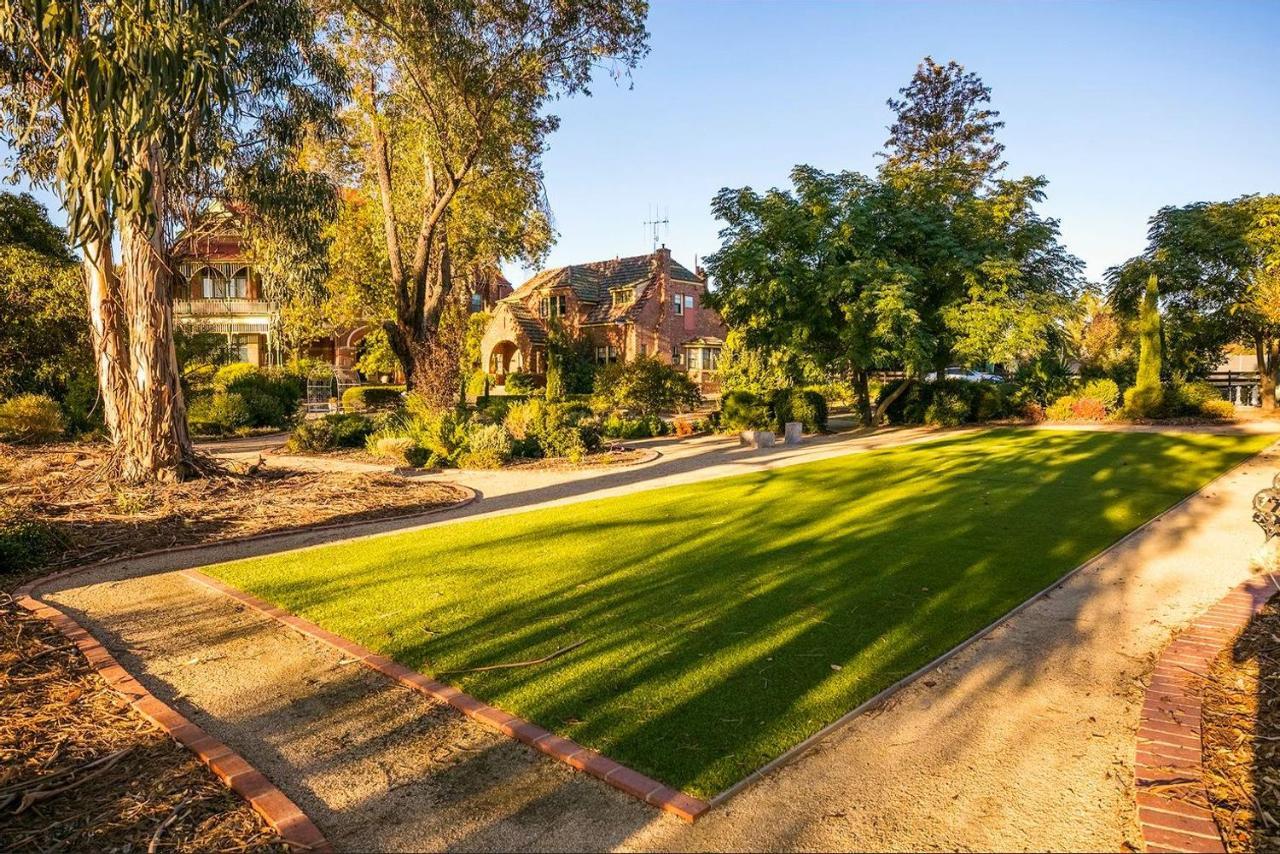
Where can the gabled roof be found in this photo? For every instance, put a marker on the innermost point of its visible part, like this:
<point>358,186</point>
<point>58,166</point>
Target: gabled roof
<point>529,324</point>
<point>593,281</point>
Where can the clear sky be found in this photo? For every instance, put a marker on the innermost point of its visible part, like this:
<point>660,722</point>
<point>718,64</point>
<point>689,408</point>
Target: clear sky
<point>1123,106</point>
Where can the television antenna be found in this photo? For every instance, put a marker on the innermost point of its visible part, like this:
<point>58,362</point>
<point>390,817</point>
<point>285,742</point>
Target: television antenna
<point>655,224</point>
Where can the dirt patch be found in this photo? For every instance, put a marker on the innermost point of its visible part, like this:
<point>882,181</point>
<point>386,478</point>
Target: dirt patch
<point>58,510</point>
<point>80,770</point>
<point>1241,735</point>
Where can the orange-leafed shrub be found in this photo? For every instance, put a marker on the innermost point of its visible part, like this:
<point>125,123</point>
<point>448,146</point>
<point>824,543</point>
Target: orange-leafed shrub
<point>1088,409</point>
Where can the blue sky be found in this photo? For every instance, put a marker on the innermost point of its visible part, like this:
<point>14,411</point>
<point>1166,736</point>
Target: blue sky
<point>1124,107</point>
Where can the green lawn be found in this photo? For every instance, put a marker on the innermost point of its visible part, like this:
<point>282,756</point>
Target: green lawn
<point>728,620</point>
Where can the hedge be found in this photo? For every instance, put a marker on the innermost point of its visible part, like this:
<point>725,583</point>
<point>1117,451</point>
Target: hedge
<point>362,398</point>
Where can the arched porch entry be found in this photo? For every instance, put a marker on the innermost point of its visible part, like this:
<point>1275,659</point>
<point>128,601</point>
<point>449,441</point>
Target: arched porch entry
<point>504,358</point>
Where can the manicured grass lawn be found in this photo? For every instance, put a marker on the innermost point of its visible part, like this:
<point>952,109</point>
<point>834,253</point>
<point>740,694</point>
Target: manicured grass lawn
<point>728,620</point>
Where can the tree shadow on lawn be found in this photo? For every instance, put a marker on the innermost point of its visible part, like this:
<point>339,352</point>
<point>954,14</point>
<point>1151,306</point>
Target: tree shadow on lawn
<point>712,652</point>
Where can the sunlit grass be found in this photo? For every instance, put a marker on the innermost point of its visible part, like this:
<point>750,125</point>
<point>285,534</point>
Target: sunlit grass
<point>726,621</point>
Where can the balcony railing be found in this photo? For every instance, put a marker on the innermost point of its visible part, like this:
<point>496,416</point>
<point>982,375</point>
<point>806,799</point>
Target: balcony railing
<point>220,307</point>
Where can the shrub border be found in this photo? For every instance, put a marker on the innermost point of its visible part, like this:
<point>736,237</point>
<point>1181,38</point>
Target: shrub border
<point>1168,751</point>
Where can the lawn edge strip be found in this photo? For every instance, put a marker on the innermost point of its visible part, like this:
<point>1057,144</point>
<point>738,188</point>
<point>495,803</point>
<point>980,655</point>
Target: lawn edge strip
<point>290,823</point>
<point>1176,818</point>
<point>571,753</point>
<point>884,696</point>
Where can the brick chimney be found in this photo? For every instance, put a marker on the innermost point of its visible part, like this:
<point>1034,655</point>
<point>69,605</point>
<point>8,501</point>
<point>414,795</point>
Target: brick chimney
<point>665,337</point>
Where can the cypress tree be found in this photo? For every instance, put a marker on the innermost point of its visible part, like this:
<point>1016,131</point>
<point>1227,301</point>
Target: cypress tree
<point>1145,399</point>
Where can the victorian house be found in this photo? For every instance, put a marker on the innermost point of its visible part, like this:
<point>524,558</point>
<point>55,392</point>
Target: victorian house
<point>642,305</point>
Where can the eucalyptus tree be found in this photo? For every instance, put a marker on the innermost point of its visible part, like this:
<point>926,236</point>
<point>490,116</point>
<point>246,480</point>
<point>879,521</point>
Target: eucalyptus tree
<point>454,94</point>
<point>119,106</point>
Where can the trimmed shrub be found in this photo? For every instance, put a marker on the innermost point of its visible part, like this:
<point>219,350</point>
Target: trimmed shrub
<point>1105,391</point>
<point>1218,410</point>
<point>30,418</point>
<point>363,398</point>
<point>742,410</point>
<point>913,405</point>
<point>1062,409</point>
<point>995,401</point>
<point>520,383</point>
<point>489,447</point>
<point>271,396</point>
<point>542,429</point>
<point>1088,409</point>
<point>341,430</point>
<point>947,410</point>
<point>1187,397</point>
<point>618,427</point>
<point>1144,401</point>
<point>803,405</point>
<point>219,413</point>
<point>644,386</point>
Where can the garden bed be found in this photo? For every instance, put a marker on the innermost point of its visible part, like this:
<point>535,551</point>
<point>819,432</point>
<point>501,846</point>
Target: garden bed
<point>596,459</point>
<point>59,511</point>
<point>1241,736</point>
<point>80,770</point>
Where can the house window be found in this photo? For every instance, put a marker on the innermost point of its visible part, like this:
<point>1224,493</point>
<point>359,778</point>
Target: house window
<point>623,297</point>
<point>677,357</point>
<point>678,304</point>
<point>212,285</point>
<point>240,348</point>
<point>239,285</point>
<point>710,359</point>
<point>555,305</point>
<point>606,355</point>
<point>477,303</point>
<point>688,300</point>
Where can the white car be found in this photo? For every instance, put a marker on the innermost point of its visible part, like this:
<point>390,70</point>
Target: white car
<point>966,375</point>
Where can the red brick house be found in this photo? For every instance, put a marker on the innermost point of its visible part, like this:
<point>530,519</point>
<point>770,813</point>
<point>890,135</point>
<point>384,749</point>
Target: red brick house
<point>217,289</point>
<point>642,305</point>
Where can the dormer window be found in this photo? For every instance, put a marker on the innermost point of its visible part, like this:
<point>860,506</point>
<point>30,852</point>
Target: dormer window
<point>555,305</point>
<point>623,296</point>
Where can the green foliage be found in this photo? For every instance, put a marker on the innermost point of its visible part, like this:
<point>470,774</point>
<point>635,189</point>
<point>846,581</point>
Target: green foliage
<point>519,382</point>
<point>803,405</point>
<point>478,383</point>
<point>644,386</point>
<point>542,429</point>
<point>555,381</point>
<point>1187,397</point>
<point>362,398</point>
<point>1105,391</point>
<point>1144,402</point>
<point>1149,355</point>
<point>1218,410</point>
<point>25,542</point>
<point>758,370</point>
<point>620,427</point>
<point>44,328</point>
<point>30,418</point>
<point>377,358</point>
<point>1044,379</point>
<point>338,430</point>
<point>1077,408</point>
<point>219,413</point>
<point>489,446</point>
<point>742,410</point>
<point>996,401</point>
<point>947,409</point>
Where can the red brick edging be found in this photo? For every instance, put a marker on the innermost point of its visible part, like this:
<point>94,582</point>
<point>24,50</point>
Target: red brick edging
<point>570,752</point>
<point>290,823</point>
<point>1168,772</point>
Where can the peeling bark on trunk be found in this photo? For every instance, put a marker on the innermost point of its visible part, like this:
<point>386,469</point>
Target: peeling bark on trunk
<point>131,320</point>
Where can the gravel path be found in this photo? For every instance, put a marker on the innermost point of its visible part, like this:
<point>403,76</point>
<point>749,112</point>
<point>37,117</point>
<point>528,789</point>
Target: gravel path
<point>1022,741</point>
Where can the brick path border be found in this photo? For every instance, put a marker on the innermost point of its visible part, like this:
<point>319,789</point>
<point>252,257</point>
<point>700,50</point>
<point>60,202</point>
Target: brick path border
<point>292,825</point>
<point>570,752</point>
<point>1168,750</point>
<point>283,815</point>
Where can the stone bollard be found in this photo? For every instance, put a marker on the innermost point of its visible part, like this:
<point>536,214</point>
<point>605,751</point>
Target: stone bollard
<point>791,432</point>
<point>757,438</point>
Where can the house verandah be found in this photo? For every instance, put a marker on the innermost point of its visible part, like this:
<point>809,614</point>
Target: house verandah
<point>644,305</point>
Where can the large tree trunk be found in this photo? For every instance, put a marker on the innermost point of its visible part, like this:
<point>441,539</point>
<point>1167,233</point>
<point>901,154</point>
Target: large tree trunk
<point>107,333</point>
<point>1268,353</point>
<point>132,321</point>
<point>878,416</point>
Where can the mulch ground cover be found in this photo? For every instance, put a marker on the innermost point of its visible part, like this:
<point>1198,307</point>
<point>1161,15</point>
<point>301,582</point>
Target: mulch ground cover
<point>81,771</point>
<point>57,510</point>
<point>1241,736</point>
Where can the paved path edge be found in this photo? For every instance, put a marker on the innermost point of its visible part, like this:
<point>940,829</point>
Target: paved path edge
<point>295,829</point>
<point>1168,769</point>
<point>612,773</point>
